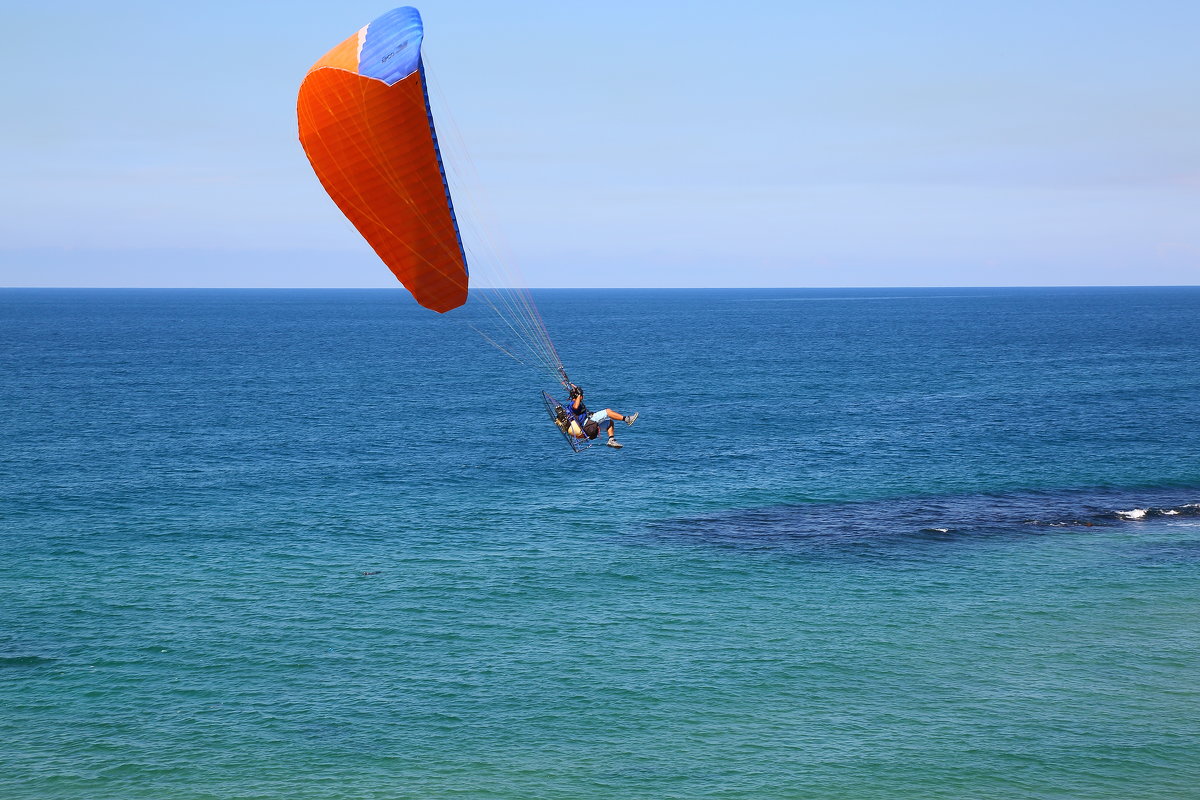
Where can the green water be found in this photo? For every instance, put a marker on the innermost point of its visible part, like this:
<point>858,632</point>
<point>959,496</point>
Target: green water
<point>240,559</point>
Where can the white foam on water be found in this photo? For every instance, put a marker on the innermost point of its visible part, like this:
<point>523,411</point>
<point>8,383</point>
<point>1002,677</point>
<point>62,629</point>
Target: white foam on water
<point>1136,513</point>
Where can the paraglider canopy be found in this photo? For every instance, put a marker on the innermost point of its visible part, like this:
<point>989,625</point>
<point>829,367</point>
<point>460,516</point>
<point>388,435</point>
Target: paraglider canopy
<point>366,127</point>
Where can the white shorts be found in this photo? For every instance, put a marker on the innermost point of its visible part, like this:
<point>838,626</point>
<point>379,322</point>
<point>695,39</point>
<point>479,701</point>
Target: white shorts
<point>599,416</point>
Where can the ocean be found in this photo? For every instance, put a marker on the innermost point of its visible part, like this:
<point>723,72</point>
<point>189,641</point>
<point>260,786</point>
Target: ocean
<point>934,543</point>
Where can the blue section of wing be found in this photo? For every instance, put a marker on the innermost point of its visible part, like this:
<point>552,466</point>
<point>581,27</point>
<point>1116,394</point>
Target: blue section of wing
<point>392,50</point>
<point>442,167</point>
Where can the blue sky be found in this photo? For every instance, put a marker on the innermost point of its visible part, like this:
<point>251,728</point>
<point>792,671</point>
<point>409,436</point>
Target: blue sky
<point>624,144</point>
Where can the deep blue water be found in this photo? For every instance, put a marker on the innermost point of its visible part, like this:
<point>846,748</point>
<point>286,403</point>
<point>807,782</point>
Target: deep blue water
<point>860,544</point>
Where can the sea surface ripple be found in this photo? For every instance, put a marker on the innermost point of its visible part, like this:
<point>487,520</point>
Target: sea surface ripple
<point>860,544</point>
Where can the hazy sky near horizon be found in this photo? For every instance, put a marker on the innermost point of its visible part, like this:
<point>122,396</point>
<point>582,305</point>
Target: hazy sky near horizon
<point>624,144</point>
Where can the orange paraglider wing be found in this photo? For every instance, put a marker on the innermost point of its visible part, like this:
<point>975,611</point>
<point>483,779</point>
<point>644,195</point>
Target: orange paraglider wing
<point>366,128</point>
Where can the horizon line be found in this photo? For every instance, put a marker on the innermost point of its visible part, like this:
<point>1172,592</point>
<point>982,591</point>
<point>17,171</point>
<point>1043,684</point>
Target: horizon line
<point>401,288</point>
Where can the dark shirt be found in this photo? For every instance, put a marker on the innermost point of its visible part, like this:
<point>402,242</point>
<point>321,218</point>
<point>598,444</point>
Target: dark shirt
<point>580,412</point>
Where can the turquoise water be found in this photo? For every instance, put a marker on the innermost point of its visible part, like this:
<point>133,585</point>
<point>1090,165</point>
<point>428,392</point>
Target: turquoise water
<point>860,544</point>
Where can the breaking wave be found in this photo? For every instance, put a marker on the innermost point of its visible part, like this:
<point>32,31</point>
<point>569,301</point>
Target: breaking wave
<point>870,523</point>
